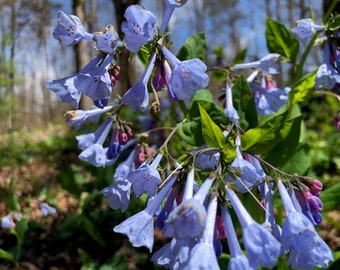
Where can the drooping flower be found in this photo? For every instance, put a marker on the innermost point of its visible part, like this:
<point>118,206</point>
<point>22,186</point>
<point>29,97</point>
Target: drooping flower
<point>170,6</point>
<point>137,95</point>
<point>139,27</point>
<point>70,30</point>
<point>305,28</point>
<point>206,159</point>
<point>188,219</point>
<point>237,259</point>
<point>187,76</point>
<point>203,253</point>
<point>261,246</point>
<point>46,209</point>
<point>146,178</point>
<point>77,118</point>
<point>118,194</point>
<point>140,227</point>
<point>107,40</point>
<point>229,110</point>
<point>162,75</point>
<point>269,100</point>
<point>307,249</point>
<point>7,222</point>
<point>124,168</point>
<point>246,175</point>
<point>269,63</point>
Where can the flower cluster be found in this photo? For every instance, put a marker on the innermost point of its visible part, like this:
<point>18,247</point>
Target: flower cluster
<point>190,197</point>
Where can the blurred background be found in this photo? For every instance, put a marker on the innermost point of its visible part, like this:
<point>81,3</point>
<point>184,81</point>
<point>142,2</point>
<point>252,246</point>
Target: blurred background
<point>38,153</point>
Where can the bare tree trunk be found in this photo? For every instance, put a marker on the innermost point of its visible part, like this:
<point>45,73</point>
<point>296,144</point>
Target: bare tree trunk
<point>81,53</point>
<point>11,74</point>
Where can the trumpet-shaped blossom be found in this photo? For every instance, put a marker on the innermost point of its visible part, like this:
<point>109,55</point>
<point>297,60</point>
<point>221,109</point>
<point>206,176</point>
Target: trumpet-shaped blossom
<point>305,28</point>
<point>139,27</point>
<point>124,168</point>
<point>118,194</point>
<point>146,178</point>
<point>261,246</point>
<point>168,207</point>
<point>206,159</point>
<point>137,95</point>
<point>269,63</point>
<point>328,75</point>
<point>140,227</point>
<point>46,209</point>
<point>203,253</point>
<point>307,249</point>
<point>7,222</point>
<point>188,219</point>
<point>246,175</point>
<point>107,40</point>
<point>77,118</point>
<point>93,80</point>
<point>269,100</point>
<point>170,6</point>
<point>229,110</point>
<point>237,259</point>
<point>70,30</point>
<point>187,76</point>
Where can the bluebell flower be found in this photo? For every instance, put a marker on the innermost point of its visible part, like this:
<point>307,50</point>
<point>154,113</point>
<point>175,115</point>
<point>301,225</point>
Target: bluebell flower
<point>139,228</point>
<point>146,178</point>
<point>237,259</point>
<point>203,253</point>
<point>206,159</point>
<point>70,30</point>
<point>261,246</point>
<point>46,209</point>
<point>118,194</point>
<point>77,118</point>
<point>269,63</point>
<point>107,40</point>
<point>327,75</point>
<point>229,110</point>
<point>167,208</point>
<point>307,249</point>
<point>137,95</point>
<point>162,75</point>
<point>170,5</point>
<point>95,82</point>
<point>305,28</point>
<point>269,100</point>
<point>174,254</point>
<point>125,167</point>
<point>7,222</point>
<point>65,90</point>
<point>246,175</point>
<point>187,76</point>
<point>188,219</point>
<point>139,27</point>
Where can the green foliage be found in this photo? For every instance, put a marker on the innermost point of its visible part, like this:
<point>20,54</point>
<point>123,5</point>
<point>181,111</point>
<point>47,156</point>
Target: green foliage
<point>281,40</point>
<point>194,47</point>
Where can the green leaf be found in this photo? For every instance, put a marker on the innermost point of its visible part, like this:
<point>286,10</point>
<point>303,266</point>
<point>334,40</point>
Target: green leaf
<point>243,101</point>
<point>191,133</point>
<point>330,197</point>
<point>334,23</point>
<point>240,57</point>
<point>203,95</point>
<point>303,88</point>
<point>194,47</point>
<point>21,227</point>
<point>281,40</point>
<point>300,162</point>
<point>92,230</point>
<point>262,139</point>
<point>212,134</point>
<point>6,255</point>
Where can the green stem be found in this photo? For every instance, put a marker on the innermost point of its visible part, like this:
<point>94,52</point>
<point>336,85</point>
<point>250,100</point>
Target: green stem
<point>183,107</point>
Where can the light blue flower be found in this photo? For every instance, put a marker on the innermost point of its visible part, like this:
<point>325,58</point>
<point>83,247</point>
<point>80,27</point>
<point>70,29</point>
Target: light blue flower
<point>139,228</point>
<point>261,246</point>
<point>206,159</point>
<point>170,5</point>
<point>237,259</point>
<point>305,28</point>
<point>77,118</point>
<point>107,40</point>
<point>139,27</point>
<point>229,110</point>
<point>307,249</point>
<point>118,194</point>
<point>46,209</point>
<point>203,253</point>
<point>137,95</point>
<point>7,222</point>
<point>125,167</point>
<point>269,63</point>
<point>146,178</point>
<point>65,90</point>
<point>187,76</point>
<point>70,30</point>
